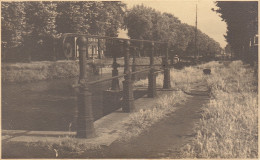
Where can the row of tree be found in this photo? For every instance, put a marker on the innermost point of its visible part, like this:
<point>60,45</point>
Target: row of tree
<point>31,27</point>
<point>146,23</point>
<point>242,27</point>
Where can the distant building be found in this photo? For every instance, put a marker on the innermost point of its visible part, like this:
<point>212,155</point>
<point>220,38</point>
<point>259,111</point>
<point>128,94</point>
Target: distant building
<point>254,47</point>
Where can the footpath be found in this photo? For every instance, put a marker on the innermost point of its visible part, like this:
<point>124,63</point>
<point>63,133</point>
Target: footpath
<point>162,140</point>
<point>165,138</point>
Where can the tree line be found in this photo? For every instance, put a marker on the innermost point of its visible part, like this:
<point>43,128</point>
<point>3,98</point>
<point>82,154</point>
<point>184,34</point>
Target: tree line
<point>146,23</point>
<point>32,27</point>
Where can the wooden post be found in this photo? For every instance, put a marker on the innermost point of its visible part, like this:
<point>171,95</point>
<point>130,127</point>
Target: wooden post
<point>133,65</point>
<point>75,47</point>
<point>83,47</point>
<point>92,49</point>
<point>99,50</point>
<point>128,98</point>
<point>142,49</point>
<point>171,56</point>
<point>54,58</point>
<point>87,55</point>
<point>115,82</point>
<point>167,76</point>
<point>152,75</point>
<point>85,120</point>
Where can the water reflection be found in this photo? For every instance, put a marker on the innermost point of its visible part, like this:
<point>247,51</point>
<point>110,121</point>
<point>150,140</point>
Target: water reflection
<point>49,105</point>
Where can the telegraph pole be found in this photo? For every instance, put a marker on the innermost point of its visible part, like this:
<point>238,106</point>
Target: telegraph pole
<point>196,54</point>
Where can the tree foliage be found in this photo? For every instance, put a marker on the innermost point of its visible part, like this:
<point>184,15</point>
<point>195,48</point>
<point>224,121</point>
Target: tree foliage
<point>13,23</point>
<point>35,24</point>
<point>146,23</point>
<point>93,17</point>
<point>72,17</point>
<point>242,24</point>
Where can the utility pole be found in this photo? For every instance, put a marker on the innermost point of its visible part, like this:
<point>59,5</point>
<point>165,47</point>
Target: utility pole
<point>196,54</point>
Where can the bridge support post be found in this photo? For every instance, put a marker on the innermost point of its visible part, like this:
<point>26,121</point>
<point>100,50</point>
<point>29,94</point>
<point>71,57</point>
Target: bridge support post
<point>115,82</point>
<point>133,65</point>
<point>167,76</point>
<point>54,56</point>
<point>99,50</point>
<point>87,54</point>
<point>128,98</point>
<point>111,98</point>
<point>85,120</point>
<point>152,76</point>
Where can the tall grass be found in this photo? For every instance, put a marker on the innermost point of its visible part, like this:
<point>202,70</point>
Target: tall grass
<point>180,79</point>
<point>140,121</point>
<point>35,71</point>
<point>45,70</point>
<point>228,127</point>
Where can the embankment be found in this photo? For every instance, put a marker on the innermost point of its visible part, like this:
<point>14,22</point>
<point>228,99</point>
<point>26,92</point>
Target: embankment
<point>46,70</point>
<point>228,127</point>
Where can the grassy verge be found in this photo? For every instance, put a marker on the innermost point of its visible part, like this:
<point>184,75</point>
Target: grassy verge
<point>181,79</point>
<point>140,121</point>
<point>45,70</point>
<point>228,127</point>
<point>35,71</point>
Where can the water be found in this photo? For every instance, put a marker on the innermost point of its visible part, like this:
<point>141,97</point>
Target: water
<point>48,105</point>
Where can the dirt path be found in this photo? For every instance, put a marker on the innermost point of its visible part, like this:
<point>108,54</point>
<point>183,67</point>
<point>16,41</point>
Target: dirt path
<point>163,139</point>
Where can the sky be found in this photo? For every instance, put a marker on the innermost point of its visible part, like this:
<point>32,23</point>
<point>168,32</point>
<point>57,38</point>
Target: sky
<point>209,22</point>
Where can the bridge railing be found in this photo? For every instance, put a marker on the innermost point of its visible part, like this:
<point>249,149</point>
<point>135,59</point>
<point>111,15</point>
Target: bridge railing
<point>85,120</point>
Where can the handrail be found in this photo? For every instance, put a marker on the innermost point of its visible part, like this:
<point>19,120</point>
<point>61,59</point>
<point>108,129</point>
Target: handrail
<point>106,37</point>
<point>142,65</point>
<point>106,79</point>
<point>158,71</point>
<point>140,71</point>
<point>122,75</point>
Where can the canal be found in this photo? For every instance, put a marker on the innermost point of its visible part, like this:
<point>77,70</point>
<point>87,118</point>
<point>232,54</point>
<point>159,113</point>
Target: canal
<point>50,105</point>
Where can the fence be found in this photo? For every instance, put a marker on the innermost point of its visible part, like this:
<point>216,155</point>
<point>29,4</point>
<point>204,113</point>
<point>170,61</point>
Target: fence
<point>119,48</point>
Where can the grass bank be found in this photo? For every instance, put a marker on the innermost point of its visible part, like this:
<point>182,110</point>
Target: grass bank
<point>181,79</point>
<point>46,70</point>
<point>140,121</point>
<point>228,127</point>
<point>36,71</point>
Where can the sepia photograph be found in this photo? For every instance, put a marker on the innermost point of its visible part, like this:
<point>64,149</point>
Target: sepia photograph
<point>145,79</point>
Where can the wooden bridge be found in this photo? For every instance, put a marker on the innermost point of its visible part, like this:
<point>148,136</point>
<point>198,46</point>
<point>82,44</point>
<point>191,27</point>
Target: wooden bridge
<point>119,48</point>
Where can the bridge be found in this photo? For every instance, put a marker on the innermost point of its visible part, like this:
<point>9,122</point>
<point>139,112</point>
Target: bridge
<point>119,47</point>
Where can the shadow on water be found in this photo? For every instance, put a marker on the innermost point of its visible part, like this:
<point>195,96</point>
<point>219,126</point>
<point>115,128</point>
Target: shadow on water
<point>50,105</point>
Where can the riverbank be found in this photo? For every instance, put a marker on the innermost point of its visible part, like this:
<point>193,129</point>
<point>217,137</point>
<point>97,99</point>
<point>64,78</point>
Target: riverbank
<point>47,70</point>
<point>138,122</point>
<point>225,127</point>
<point>229,124</point>
<point>108,129</point>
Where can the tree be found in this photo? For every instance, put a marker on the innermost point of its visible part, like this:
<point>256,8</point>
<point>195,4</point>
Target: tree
<point>73,17</point>
<point>139,22</point>
<point>13,23</point>
<point>115,13</point>
<point>146,23</point>
<point>90,17</point>
<point>41,19</point>
<point>242,24</point>
<point>40,29</point>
